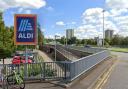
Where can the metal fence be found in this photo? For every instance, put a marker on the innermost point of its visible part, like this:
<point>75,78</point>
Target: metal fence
<point>42,71</point>
<point>84,64</point>
<point>85,49</point>
<point>60,70</point>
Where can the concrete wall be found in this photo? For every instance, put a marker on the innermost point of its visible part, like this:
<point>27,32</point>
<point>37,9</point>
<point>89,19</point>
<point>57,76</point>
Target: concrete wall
<point>51,53</point>
<point>77,52</point>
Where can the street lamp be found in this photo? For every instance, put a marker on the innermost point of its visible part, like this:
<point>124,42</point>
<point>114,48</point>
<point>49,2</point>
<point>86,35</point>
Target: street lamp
<point>55,45</point>
<point>103,27</point>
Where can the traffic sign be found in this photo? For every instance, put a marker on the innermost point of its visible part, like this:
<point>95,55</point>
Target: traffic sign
<point>25,29</point>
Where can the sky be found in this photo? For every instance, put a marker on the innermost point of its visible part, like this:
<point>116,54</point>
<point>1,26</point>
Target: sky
<point>85,16</point>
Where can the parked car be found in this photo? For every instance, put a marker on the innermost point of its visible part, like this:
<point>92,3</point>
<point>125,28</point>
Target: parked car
<point>30,55</point>
<point>20,60</point>
<point>87,46</point>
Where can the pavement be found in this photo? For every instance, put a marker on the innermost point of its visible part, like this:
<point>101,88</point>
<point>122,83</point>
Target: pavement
<point>45,57</point>
<point>6,61</point>
<point>119,76</point>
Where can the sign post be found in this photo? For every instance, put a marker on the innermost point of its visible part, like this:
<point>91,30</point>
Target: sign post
<point>25,31</point>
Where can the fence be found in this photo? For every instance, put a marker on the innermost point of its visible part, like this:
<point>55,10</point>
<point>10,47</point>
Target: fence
<point>84,49</point>
<point>84,64</point>
<point>60,70</point>
<point>43,70</point>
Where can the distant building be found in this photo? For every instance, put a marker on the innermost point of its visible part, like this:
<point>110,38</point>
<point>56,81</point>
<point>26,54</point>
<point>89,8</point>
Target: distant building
<point>69,33</point>
<point>98,41</point>
<point>109,34</point>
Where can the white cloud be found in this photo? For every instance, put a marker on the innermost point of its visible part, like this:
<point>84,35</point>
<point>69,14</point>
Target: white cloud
<point>50,8</point>
<point>58,35</point>
<point>73,22</point>
<point>117,3</point>
<point>117,12</point>
<point>60,23</point>
<point>49,37</point>
<point>43,29</point>
<point>20,10</point>
<point>93,22</point>
<point>92,11</point>
<point>53,36</point>
<point>31,4</point>
<point>28,11</point>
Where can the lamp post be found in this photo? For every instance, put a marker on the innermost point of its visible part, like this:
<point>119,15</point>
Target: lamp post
<point>55,45</point>
<point>103,28</point>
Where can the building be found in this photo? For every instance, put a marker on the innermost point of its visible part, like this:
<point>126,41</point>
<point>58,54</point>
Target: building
<point>98,41</point>
<point>109,34</point>
<point>69,33</point>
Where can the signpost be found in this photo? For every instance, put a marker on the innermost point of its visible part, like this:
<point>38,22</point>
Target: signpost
<point>25,31</point>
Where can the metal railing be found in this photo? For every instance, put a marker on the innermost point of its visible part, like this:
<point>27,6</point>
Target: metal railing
<point>60,70</point>
<point>82,65</point>
<point>42,71</point>
<point>84,49</point>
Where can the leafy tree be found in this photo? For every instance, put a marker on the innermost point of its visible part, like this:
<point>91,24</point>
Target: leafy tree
<point>40,35</point>
<point>72,40</point>
<point>116,40</point>
<point>83,41</point>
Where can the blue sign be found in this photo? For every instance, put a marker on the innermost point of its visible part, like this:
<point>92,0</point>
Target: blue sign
<point>25,29</point>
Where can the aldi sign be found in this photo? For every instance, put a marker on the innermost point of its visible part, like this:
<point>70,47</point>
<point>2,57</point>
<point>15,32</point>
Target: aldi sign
<point>25,29</point>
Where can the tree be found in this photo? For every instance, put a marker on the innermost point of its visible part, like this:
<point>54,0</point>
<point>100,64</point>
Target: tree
<point>124,41</point>
<point>62,40</point>
<point>72,40</point>
<point>78,42</point>
<point>83,41</point>
<point>40,35</point>
<point>91,42</point>
<point>6,39</point>
<point>116,40</point>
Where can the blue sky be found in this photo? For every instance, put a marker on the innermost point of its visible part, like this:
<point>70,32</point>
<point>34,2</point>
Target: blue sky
<point>55,16</point>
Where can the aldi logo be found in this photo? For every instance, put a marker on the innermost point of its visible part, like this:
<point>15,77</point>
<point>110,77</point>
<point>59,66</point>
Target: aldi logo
<point>25,25</point>
<point>25,29</point>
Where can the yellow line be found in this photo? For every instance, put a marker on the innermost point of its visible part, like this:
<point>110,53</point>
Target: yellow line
<point>106,76</point>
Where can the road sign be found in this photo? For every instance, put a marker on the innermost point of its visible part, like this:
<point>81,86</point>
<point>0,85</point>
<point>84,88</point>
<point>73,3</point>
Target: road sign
<point>25,29</point>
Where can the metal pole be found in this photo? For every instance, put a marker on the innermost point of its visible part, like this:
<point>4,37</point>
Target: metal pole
<point>66,41</point>
<point>103,27</point>
<point>3,83</point>
<point>26,61</point>
<point>26,58</point>
<point>55,47</point>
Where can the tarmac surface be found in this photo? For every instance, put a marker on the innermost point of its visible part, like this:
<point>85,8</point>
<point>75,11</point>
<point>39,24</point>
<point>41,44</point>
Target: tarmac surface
<point>119,76</point>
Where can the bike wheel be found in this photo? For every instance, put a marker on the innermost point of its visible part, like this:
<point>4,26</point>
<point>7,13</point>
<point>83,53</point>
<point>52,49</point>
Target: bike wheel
<point>11,79</point>
<point>5,84</point>
<point>22,85</point>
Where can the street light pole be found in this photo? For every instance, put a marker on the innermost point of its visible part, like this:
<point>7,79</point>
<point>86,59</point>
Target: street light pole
<point>103,28</point>
<point>55,45</point>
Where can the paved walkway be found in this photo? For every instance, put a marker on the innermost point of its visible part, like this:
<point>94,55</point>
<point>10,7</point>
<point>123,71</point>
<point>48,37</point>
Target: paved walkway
<point>119,76</point>
<point>44,56</point>
<point>42,86</point>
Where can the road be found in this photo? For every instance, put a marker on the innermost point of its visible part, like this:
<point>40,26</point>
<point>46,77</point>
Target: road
<point>119,76</point>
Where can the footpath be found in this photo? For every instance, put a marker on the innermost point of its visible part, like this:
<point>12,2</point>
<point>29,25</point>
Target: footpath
<point>119,76</point>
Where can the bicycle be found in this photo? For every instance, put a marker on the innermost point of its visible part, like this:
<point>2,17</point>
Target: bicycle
<point>16,79</point>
